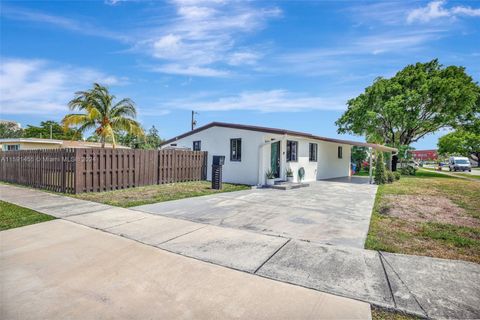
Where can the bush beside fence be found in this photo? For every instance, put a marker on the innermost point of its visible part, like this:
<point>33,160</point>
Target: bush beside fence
<point>93,170</point>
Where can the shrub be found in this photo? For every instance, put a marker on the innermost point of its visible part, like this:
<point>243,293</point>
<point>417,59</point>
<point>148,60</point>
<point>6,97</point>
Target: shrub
<point>289,172</point>
<point>270,174</point>
<point>408,171</point>
<point>397,175</point>
<point>380,175</point>
<point>390,176</point>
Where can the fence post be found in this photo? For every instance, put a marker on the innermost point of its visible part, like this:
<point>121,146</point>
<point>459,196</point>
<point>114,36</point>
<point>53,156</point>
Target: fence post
<point>205,164</point>
<point>64,171</point>
<point>78,172</point>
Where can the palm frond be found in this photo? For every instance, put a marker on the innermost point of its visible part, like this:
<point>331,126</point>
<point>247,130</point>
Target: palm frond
<point>84,127</point>
<point>127,125</point>
<point>101,114</point>
<point>75,119</point>
<point>125,108</point>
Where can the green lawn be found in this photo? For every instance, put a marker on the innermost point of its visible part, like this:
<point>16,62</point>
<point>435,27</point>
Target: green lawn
<point>428,214</point>
<point>13,216</point>
<point>362,173</point>
<point>157,193</point>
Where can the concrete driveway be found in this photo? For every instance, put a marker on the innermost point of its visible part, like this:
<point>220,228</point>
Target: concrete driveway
<point>62,270</point>
<point>333,212</point>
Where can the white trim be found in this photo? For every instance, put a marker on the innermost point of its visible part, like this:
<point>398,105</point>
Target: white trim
<point>28,140</point>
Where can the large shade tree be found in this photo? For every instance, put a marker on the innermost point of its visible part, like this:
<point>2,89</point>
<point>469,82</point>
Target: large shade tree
<point>419,100</point>
<point>49,127</point>
<point>10,130</point>
<point>461,143</point>
<point>99,111</point>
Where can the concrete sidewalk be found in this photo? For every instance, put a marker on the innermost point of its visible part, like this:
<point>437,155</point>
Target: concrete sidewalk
<point>428,287</point>
<point>452,174</point>
<point>61,270</point>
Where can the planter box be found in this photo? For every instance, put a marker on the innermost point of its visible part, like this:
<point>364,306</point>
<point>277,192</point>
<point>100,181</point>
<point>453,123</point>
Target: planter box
<point>270,182</point>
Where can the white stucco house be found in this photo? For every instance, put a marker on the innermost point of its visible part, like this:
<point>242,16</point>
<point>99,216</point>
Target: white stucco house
<point>250,151</point>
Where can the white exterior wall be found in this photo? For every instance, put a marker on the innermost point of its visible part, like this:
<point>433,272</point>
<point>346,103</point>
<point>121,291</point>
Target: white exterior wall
<point>329,166</point>
<point>216,141</point>
<point>256,151</point>
<point>303,160</point>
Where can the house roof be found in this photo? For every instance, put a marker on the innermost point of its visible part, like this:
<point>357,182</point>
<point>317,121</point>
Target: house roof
<point>279,131</point>
<point>63,143</point>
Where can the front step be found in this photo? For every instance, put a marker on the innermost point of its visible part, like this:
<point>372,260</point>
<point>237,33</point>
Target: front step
<point>284,185</point>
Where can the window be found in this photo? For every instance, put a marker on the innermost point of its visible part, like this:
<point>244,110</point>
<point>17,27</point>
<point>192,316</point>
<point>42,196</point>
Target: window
<point>340,152</point>
<point>197,145</point>
<point>313,152</point>
<point>11,147</point>
<point>292,148</point>
<point>235,149</point>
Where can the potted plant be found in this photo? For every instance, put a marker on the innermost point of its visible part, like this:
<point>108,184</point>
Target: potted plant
<point>301,174</point>
<point>270,175</point>
<point>289,175</point>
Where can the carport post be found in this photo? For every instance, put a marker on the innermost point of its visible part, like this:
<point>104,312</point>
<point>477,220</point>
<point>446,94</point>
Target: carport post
<point>370,169</point>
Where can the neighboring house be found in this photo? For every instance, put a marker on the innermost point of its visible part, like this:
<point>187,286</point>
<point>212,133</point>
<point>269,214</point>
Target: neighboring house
<point>251,151</point>
<point>36,143</point>
<point>424,155</point>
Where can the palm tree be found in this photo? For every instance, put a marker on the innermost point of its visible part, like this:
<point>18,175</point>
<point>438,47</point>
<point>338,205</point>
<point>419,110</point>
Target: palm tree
<point>101,114</point>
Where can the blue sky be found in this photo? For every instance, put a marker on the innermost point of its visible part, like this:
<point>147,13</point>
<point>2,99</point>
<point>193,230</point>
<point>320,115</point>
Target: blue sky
<point>286,64</point>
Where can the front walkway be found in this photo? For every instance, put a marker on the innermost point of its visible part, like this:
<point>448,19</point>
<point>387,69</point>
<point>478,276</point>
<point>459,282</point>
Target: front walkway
<point>435,288</point>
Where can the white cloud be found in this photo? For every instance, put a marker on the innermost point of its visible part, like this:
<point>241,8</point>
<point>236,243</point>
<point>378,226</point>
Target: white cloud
<point>435,10</point>
<point>113,2</point>
<point>357,52</point>
<point>187,70</point>
<point>83,27</point>
<point>204,35</point>
<point>201,38</point>
<point>243,58</point>
<point>37,87</point>
<point>394,42</point>
<point>263,101</point>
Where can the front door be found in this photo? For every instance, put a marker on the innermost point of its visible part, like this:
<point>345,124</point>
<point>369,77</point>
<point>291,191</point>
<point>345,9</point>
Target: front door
<point>275,158</point>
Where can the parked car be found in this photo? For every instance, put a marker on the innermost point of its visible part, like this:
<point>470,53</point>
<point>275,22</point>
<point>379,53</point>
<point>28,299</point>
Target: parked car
<point>409,163</point>
<point>459,164</point>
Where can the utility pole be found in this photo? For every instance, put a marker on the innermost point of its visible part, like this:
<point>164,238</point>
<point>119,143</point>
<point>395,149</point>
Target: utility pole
<point>194,122</point>
<point>51,135</point>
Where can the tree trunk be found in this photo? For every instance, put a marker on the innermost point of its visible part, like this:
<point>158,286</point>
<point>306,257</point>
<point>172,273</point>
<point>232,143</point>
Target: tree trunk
<point>102,141</point>
<point>477,154</point>
<point>394,162</point>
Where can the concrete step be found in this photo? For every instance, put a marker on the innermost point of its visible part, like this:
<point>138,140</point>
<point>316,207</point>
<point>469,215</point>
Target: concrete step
<point>285,185</point>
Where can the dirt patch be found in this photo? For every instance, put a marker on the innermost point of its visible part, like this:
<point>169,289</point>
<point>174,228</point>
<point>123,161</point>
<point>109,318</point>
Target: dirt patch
<point>423,208</point>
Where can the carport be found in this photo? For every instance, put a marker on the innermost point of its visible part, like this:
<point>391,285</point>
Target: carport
<point>380,148</point>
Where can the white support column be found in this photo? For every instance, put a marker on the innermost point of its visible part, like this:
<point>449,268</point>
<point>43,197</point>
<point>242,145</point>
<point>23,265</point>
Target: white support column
<point>370,169</point>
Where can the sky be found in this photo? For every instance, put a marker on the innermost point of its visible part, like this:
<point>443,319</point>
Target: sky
<point>283,64</point>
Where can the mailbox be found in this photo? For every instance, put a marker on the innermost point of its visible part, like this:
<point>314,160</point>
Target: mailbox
<point>217,163</point>
<point>218,160</point>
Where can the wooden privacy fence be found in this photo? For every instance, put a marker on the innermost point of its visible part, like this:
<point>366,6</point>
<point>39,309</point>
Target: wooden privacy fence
<point>91,170</point>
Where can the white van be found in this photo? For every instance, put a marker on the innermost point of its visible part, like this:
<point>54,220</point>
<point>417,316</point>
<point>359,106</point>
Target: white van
<point>459,164</point>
